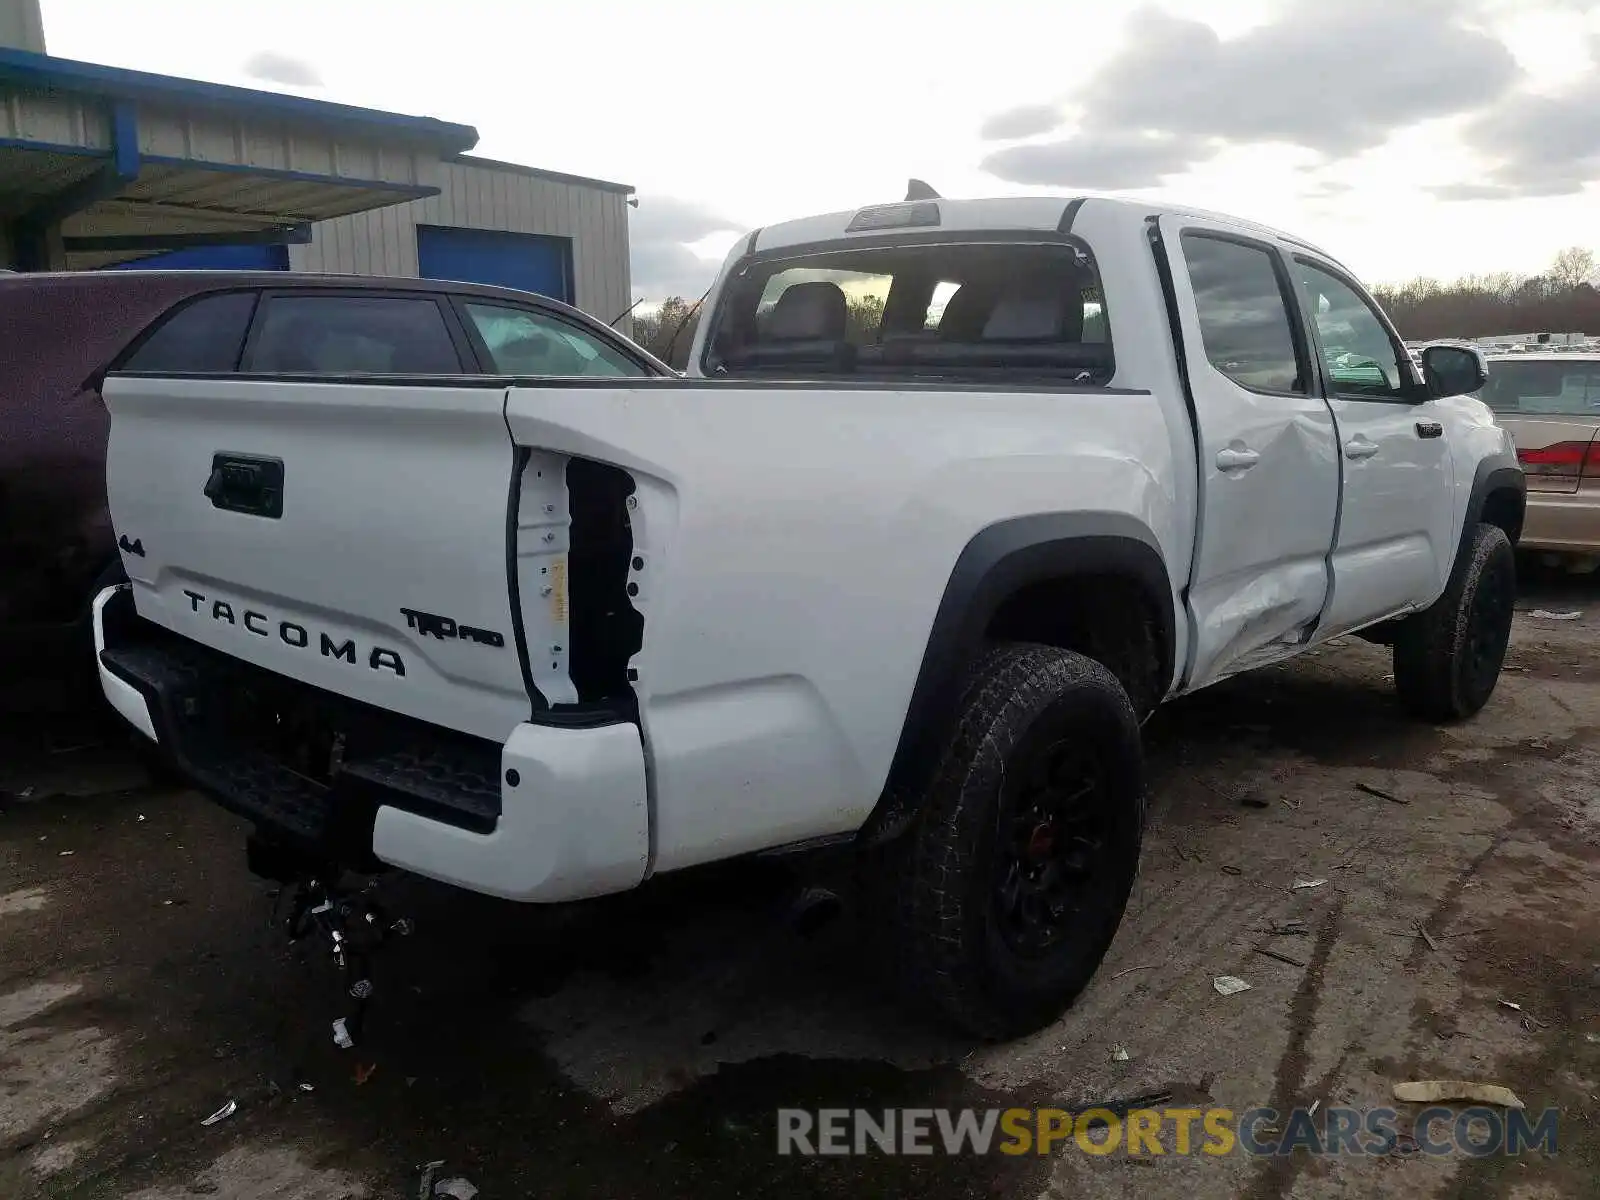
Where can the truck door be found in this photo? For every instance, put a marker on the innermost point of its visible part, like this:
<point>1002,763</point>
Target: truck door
<point>1269,473</point>
<point>1397,531</point>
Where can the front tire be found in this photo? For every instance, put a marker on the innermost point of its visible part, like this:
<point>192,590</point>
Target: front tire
<point>1447,658</point>
<point>1009,886</point>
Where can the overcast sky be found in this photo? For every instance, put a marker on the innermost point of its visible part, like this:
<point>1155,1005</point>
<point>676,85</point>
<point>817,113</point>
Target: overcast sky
<point>1406,136</point>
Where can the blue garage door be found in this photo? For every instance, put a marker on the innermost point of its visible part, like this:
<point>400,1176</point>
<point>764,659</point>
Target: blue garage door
<point>527,261</point>
<point>213,258</point>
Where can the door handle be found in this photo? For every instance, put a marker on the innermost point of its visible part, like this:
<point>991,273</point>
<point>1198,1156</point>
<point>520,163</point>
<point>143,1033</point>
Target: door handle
<point>1429,429</point>
<point>245,484</point>
<point>1236,459</point>
<point>1360,447</point>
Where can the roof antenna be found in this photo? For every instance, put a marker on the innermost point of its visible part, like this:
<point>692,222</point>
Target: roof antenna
<point>916,189</point>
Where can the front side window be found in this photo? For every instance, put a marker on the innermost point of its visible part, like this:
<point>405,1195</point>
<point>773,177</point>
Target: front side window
<point>1361,359</point>
<point>522,342</point>
<point>203,336</point>
<point>1245,324</point>
<point>353,335</point>
<point>955,310</point>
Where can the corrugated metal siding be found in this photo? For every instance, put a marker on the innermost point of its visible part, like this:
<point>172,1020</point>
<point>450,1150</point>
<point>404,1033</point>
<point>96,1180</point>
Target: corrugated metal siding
<point>384,242</point>
<point>274,146</point>
<point>33,116</point>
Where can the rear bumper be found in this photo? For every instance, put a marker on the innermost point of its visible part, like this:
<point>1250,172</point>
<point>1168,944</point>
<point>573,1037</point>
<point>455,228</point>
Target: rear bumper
<point>553,814</point>
<point>1566,522</point>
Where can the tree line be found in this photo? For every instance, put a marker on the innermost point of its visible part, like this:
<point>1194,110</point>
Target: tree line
<point>1561,300</point>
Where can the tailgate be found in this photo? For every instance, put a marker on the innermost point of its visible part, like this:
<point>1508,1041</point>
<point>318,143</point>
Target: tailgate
<point>353,536</point>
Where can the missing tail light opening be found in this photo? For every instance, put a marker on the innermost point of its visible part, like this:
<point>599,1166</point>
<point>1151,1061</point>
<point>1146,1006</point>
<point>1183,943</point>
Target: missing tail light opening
<point>606,630</point>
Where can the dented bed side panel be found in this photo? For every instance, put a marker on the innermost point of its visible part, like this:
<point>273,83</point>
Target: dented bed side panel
<point>791,546</point>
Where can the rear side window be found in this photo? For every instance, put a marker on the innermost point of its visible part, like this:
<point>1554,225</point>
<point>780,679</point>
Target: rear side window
<point>1244,313</point>
<point>353,335</point>
<point>521,342</point>
<point>1548,387</point>
<point>205,335</point>
<point>954,310</point>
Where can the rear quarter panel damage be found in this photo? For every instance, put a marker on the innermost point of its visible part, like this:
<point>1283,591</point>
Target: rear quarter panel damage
<point>799,544</point>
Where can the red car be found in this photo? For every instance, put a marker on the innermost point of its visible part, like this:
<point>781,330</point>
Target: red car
<point>58,331</point>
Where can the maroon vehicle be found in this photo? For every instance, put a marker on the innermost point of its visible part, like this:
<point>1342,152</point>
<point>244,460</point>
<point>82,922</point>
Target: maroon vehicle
<point>58,332</point>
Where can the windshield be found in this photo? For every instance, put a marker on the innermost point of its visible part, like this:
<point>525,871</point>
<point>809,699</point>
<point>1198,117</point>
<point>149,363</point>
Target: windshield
<point>1544,386</point>
<point>954,310</point>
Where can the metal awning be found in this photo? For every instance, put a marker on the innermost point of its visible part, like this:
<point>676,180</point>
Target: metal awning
<point>119,163</point>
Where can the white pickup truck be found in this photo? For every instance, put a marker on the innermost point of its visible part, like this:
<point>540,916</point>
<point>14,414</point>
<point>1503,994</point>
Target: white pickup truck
<point>958,493</point>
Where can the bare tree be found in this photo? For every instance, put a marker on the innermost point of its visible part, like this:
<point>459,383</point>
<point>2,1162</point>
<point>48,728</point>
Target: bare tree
<point>1572,266</point>
<point>668,331</point>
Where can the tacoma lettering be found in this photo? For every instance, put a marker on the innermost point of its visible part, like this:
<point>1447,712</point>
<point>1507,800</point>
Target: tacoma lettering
<point>297,636</point>
<point>346,651</point>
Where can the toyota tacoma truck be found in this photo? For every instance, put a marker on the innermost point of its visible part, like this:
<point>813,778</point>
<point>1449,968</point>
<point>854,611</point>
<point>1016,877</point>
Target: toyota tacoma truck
<point>955,494</point>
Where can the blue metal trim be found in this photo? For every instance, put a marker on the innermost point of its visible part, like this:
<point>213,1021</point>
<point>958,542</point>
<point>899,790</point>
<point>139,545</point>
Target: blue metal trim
<point>284,235</point>
<point>65,74</point>
<point>412,191</point>
<point>125,139</point>
<point>53,148</point>
<point>118,170</point>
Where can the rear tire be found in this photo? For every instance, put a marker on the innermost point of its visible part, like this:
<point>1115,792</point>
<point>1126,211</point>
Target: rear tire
<point>1447,658</point>
<point>1008,888</point>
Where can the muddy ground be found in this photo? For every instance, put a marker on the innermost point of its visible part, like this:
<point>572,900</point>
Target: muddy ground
<point>640,1047</point>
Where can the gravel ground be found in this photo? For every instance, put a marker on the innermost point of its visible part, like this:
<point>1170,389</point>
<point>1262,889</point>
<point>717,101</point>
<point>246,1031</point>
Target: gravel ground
<point>639,1046</point>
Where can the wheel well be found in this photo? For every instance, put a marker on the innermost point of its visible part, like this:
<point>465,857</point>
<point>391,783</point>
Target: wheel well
<point>1107,617</point>
<point>1505,507</point>
<point>1093,583</point>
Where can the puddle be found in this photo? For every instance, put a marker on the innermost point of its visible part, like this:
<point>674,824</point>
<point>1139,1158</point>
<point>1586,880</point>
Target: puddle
<point>24,901</point>
<point>26,1003</point>
<point>248,1173</point>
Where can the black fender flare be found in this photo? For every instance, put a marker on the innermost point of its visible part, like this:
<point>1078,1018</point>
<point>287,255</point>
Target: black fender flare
<point>1494,473</point>
<point>1000,560</point>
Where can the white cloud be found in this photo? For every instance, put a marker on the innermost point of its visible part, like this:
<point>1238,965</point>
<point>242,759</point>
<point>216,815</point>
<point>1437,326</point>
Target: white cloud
<point>271,66</point>
<point>753,115</point>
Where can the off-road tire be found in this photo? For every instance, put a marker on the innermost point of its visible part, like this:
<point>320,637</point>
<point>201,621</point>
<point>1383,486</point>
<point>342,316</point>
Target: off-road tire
<point>942,881</point>
<point>1447,658</point>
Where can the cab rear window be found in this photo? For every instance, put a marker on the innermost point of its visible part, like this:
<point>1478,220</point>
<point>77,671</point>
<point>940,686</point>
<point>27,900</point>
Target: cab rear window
<point>933,311</point>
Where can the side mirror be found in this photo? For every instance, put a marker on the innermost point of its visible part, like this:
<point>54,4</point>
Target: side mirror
<point>1453,370</point>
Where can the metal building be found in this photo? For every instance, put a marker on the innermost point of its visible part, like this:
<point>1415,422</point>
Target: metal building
<point>105,168</point>
<point>561,235</point>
